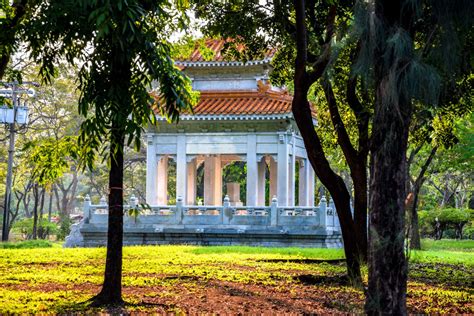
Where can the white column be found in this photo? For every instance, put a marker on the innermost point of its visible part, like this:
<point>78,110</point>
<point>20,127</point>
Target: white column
<point>212,180</point>
<point>291,177</point>
<point>162,180</point>
<point>273,177</point>
<point>191,183</point>
<point>283,169</point>
<point>262,166</point>
<point>181,168</point>
<point>252,170</point>
<point>151,172</point>
<point>310,183</point>
<point>303,187</point>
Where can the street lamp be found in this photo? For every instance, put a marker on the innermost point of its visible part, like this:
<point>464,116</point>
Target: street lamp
<point>11,116</point>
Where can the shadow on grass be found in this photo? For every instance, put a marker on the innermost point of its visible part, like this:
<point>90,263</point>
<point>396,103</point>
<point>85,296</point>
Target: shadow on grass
<point>310,279</point>
<point>80,308</point>
<point>307,261</point>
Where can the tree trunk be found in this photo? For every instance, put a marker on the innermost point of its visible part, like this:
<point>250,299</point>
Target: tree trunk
<point>415,240</point>
<point>35,211</point>
<point>387,264</point>
<point>111,293</point>
<point>50,206</point>
<point>303,117</point>
<point>359,178</point>
<point>356,159</point>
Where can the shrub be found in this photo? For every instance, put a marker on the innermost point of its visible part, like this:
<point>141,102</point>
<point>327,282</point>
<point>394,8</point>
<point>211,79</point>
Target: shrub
<point>44,228</point>
<point>64,228</point>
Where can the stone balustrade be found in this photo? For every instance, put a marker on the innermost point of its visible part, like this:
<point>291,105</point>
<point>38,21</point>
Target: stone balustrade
<point>322,215</point>
<point>272,225</point>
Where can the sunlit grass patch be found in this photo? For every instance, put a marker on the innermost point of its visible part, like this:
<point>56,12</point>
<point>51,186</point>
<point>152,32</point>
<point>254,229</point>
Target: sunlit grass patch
<point>466,245</point>
<point>187,279</point>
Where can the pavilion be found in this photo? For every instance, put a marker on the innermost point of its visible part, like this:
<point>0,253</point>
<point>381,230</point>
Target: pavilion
<point>240,117</point>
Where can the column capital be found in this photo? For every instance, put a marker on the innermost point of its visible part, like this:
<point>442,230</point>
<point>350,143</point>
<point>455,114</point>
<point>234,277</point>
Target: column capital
<point>149,139</point>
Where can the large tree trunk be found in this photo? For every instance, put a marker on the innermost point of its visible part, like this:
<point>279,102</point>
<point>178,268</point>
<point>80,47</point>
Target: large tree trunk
<point>392,116</point>
<point>111,293</point>
<point>387,263</point>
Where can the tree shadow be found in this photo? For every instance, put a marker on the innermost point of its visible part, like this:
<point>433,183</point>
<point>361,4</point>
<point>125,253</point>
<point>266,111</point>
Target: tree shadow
<point>310,279</point>
<point>306,261</point>
<point>85,307</point>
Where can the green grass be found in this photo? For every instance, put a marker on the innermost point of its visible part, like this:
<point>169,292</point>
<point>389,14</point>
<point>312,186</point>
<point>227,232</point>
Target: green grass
<point>446,251</point>
<point>304,253</point>
<point>448,244</point>
<point>58,280</point>
<point>28,244</point>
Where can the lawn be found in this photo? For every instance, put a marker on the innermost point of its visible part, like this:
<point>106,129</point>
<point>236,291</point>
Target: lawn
<point>249,280</point>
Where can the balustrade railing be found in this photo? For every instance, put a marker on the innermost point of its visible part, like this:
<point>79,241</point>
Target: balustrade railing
<point>323,215</point>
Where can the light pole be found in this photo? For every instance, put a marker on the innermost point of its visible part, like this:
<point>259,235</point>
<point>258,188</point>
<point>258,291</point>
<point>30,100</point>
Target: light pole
<point>14,92</point>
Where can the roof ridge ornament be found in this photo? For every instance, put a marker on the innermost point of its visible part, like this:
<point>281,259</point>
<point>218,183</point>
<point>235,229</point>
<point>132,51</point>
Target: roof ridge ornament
<point>263,87</point>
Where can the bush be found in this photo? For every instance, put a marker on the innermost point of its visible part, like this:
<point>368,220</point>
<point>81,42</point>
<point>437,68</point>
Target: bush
<point>449,222</point>
<point>426,221</point>
<point>64,228</point>
<point>44,228</point>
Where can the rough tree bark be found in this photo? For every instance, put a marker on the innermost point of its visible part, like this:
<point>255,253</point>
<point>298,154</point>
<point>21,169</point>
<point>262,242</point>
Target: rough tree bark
<point>392,116</point>
<point>302,113</point>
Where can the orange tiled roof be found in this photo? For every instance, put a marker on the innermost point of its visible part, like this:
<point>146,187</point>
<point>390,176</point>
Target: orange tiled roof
<point>243,103</point>
<point>217,46</point>
<point>263,103</point>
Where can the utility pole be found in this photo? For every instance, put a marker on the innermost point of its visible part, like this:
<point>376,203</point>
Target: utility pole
<point>8,188</point>
<point>11,150</point>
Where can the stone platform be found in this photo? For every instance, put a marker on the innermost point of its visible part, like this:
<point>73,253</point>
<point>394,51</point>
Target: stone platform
<point>271,226</point>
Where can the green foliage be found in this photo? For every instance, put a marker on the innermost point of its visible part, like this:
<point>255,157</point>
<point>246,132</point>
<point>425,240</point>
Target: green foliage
<point>187,45</point>
<point>64,228</point>
<point>446,218</point>
<point>12,14</point>
<point>28,244</point>
<point>454,215</point>
<point>44,227</point>
<point>123,47</point>
<point>51,157</point>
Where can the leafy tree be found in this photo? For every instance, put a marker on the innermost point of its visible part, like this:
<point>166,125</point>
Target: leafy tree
<point>434,128</point>
<point>122,46</point>
<point>404,50</point>
<point>12,16</point>
<point>303,31</point>
<point>51,118</point>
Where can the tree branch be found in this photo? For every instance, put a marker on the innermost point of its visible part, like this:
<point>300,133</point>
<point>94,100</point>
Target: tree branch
<point>342,136</point>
